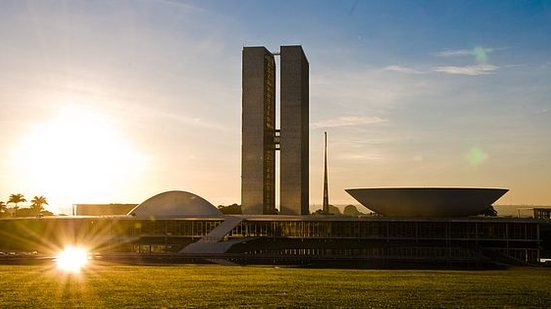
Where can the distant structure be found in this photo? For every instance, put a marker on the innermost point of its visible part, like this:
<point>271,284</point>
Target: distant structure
<point>182,226</point>
<point>325,185</point>
<point>260,138</point>
<point>102,209</point>
<point>542,213</point>
<point>426,202</point>
<point>174,204</point>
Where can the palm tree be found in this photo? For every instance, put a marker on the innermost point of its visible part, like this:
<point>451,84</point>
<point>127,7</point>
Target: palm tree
<point>37,203</point>
<point>16,199</point>
<point>3,207</point>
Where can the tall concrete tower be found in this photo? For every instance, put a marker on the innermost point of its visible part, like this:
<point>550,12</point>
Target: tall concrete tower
<point>258,132</point>
<point>294,141</point>
<point>260,138</point>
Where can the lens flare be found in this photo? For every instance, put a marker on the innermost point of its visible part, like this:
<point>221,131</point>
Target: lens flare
<point>481,54</point>
<point>476,156</point>
<point>72,259</point>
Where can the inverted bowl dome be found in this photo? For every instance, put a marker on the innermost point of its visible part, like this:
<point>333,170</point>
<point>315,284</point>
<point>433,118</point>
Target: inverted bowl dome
<point>427,202</point>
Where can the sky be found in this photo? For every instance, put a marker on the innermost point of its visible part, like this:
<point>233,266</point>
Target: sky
<point>115,101</point>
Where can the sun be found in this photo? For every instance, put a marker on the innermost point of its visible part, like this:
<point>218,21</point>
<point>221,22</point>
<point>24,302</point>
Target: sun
<point>78,154</point>
<point>72,259</point>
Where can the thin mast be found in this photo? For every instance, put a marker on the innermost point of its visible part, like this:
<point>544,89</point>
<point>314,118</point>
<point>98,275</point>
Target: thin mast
<point>325,187</point>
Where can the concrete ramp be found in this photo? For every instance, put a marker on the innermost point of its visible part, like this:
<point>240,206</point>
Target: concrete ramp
<point>213,243</point>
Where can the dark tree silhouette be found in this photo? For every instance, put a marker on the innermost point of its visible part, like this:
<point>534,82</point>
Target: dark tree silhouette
<point>319,212</point>
<point>16,199</point>
<point>3,209</point>
<point>351,210</point>
<point>46,213</point>
<point>37,203</point>
<point>489,212</point>
<point>333,210</point>
<point>233,209</point>
<point>24,212</point>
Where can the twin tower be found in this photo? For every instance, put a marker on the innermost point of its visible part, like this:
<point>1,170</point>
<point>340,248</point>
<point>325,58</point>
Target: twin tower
<point>261,139</point>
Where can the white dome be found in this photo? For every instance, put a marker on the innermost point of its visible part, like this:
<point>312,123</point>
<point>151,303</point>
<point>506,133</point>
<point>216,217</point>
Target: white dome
<point>175,204</point>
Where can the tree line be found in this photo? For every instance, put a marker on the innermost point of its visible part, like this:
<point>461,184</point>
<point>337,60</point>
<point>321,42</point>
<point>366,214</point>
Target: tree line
<point>349,210</point>
<point>35,209</point>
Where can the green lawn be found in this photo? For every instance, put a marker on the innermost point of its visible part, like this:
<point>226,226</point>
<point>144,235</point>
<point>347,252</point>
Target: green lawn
<point>227,286</point>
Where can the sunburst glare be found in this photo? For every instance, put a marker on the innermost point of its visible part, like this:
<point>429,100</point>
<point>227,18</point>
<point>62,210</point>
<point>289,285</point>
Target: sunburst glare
<point>72,259</point>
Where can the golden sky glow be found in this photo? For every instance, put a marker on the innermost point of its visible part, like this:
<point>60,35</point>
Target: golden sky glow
<point>113,102</point>
<point>76,155</point>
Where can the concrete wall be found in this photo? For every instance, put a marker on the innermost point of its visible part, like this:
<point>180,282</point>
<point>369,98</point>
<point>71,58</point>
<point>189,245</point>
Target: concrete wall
<point>258,130</point>
<point>294,142</point>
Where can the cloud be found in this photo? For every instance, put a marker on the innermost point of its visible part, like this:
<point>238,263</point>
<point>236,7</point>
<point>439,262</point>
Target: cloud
<point>471,70</point>
<point>478,52</point>
<point>360,91</point>
<point>347,121</point>
<point>352,156</point>
<point>402,69</point>
<point>465,52</point>
<point>454,53</point>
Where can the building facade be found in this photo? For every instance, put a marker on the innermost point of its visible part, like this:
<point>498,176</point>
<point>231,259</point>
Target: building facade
<point>102,209</point>
<point>258,132</point>
<point>261,138</point>
<point>288,239</point>
<point>294,140</point>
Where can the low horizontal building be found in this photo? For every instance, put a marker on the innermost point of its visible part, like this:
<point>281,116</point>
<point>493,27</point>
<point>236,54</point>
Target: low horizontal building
<point>206,233</point>
<point>281,237</point>
<point>102,209</point>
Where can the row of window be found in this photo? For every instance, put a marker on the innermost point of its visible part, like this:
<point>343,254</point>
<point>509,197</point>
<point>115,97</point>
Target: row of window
<point>388,252</point>
<point>326,229</point>
<point>98,230</point>
<point>367,229</point>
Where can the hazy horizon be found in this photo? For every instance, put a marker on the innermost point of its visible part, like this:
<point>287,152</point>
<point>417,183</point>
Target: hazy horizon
<point>113,102</point>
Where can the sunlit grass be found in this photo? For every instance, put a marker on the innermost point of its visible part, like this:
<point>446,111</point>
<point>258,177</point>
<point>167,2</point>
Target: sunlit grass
<point>219,286</point>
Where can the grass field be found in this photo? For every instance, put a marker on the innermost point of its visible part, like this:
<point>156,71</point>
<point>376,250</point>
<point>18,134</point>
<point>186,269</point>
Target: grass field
<point>227,286</point>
